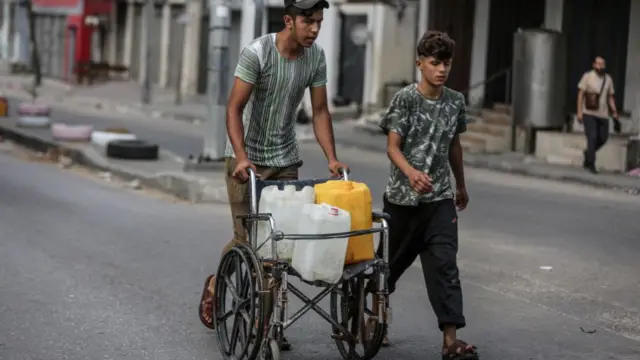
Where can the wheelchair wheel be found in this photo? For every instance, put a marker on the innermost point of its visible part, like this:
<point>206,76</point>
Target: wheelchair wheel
<point>353,308</point>
<point>239,309</point>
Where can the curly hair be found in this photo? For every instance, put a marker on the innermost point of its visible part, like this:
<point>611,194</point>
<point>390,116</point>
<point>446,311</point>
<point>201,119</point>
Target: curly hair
<point>437,44</point>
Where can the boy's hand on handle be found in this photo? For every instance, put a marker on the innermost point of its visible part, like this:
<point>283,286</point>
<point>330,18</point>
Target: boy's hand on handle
<point>335,166</point>
<point>241,172</point>
<point>420,182</point>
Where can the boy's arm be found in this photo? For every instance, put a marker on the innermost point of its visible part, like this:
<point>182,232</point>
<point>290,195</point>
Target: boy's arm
<point>395,124</point>
<point>455,150</point>
<point>394,144</point>
<point>246,76</point>
<point>322,125</point>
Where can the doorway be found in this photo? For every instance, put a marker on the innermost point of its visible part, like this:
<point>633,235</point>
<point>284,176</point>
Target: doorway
<point>456,17</point>
<point>506,17</point>
<point>596,28</point>
<point>352,60</point>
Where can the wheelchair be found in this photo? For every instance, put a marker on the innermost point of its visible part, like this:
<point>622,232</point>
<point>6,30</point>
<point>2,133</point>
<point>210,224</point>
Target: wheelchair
<point>252,324</point>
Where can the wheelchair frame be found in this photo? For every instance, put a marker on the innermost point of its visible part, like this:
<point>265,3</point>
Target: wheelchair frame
<point>266,279</point>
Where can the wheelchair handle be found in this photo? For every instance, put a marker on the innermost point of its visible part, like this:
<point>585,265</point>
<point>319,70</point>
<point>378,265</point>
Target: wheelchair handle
<point>253,179</point>
<point>344,173</point>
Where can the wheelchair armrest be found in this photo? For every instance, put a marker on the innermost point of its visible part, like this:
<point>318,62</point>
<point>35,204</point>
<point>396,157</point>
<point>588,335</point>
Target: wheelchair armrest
<point>379,215</point>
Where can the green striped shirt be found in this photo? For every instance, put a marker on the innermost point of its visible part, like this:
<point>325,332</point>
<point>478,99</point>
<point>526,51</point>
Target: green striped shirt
<point>269,117</point>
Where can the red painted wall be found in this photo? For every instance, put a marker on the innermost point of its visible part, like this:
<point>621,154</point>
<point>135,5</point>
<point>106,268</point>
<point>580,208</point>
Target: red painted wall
<point>83,32</point>
<point>93,7</point>
<point>56,3</point>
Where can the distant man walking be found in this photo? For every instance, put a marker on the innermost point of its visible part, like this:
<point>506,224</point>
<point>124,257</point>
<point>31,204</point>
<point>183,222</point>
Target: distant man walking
<point>596,103</point>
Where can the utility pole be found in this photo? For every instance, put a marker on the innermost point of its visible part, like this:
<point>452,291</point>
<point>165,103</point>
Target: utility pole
<point>6,18</point>
<point>218,87</point>
<point>260,10</point>
<point>146,80</point>
<point>183,20</point>
<point>35,51</point>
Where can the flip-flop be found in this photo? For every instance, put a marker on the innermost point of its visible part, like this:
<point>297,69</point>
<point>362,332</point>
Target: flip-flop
<point>207,300</point>
<point>460,350</point>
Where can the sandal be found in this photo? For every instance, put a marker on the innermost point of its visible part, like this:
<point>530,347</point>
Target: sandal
<point>385,340</point>
<point>206,309</point>
<point>460,350</point>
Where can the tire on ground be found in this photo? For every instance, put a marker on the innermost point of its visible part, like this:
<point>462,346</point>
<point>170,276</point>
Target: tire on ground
<point>65,132</point>
<point>34,121</point>
<point>102,137</point>
<point>132,150</point>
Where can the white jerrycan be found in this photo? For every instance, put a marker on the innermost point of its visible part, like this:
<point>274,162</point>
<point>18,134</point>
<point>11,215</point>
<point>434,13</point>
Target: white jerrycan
<point>321,259</point>
<point>285,207</point>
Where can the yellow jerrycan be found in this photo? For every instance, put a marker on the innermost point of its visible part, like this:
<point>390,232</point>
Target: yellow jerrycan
<point>355,198</point>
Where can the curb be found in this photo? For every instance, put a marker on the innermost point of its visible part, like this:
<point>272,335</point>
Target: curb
<point>81,103</point>
<point>522,169</point>
<point>194,189</point>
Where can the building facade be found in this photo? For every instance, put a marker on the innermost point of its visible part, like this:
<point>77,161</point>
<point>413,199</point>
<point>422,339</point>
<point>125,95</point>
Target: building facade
<point>364,73</point>
<point>592,27</point>
<point>67,32</point>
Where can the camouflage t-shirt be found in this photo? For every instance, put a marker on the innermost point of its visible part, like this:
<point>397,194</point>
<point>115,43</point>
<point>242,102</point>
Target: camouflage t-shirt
<point>427,128</point>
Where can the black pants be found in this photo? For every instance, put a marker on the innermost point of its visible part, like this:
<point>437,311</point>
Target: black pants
<point>431,231</point>
<point>597,131</point>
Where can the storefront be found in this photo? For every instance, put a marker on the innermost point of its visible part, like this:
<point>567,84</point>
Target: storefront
<point>69,32</point>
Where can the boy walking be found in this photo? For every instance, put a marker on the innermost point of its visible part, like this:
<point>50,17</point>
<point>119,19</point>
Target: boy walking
<point>423,124</point>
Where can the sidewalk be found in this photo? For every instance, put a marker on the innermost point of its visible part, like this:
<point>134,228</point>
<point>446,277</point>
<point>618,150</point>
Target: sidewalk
<point>364,137</point>
<point>121,97</point>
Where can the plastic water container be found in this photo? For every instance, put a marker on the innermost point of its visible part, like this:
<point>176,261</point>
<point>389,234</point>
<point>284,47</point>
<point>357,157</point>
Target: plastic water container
<point>285,206</point>
<point>354,197</point>
<point>321,259</point>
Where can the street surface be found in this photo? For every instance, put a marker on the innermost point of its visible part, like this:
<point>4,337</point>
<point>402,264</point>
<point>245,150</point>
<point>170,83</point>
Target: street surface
<point>93,271</point>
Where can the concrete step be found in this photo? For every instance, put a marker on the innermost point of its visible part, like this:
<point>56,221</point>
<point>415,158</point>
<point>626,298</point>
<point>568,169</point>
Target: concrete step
<point>560,159</point>
<point>567,157</point>
<point>487,143</point>
<point>474,111</point>
<point>472,147</point>
<point>490,129</point>
<point>629,126</point>
<point>568,148</point>
<point>495,117</point>
<point>502,108</point>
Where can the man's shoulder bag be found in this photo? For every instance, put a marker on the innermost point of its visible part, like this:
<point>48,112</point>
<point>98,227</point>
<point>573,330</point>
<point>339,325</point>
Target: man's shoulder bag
<point>592,100</point>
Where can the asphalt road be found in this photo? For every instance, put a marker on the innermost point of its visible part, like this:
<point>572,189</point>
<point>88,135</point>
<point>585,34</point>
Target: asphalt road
<point>91,271</point>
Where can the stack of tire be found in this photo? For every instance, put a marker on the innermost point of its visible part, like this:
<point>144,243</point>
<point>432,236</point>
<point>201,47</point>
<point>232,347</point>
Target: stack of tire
<point>31,115</point>
<point>120,143</point>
